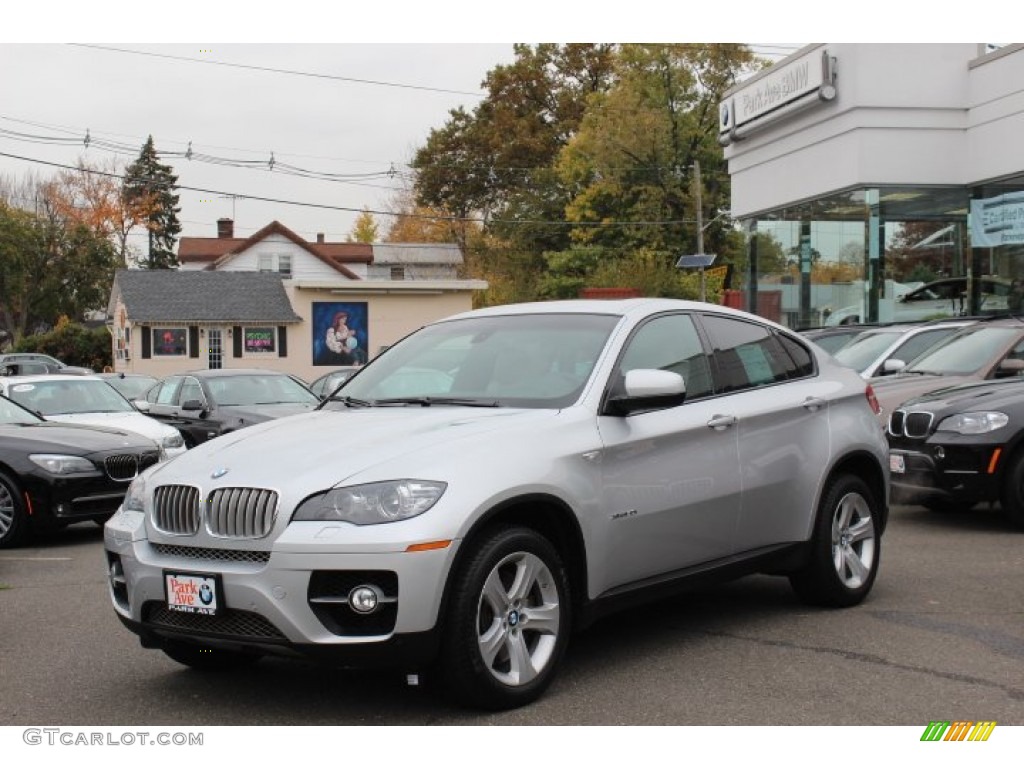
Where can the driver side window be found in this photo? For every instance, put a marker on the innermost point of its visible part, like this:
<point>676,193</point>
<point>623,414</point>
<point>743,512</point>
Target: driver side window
<point>670,343</point>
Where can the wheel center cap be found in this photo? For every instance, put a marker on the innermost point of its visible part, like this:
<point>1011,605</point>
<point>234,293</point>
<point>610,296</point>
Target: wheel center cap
<point>513,618</point>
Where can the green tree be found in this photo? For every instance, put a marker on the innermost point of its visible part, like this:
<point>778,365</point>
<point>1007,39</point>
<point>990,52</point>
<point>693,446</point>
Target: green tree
<point>49,266</point>
<point>73,344</point>
<point>149,189</point>
<point>364,230</point>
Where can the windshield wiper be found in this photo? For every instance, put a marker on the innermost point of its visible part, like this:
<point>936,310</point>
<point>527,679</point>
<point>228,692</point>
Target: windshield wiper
<point>351,402</point>
<point>426,400</point>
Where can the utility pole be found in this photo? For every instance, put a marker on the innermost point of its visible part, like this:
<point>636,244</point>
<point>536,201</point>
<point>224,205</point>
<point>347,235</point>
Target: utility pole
<point>700,224</point>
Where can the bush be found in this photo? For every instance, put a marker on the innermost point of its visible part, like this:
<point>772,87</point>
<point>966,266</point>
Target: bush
<point>72,344</point>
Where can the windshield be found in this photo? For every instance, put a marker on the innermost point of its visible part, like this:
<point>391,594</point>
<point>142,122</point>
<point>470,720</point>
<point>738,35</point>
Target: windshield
<point>967,352</point>
<point>12,413</point>
<point>258,389</point>
<point>530,361</point>
<point>63,397</point>
<point>865,349</point>
<point>132,387</point>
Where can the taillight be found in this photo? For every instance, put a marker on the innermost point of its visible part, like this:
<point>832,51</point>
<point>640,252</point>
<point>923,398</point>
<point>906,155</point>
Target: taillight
<point>869,393</point>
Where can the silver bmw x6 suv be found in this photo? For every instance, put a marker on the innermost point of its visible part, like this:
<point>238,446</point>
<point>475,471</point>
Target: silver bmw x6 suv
<point>501,477</point>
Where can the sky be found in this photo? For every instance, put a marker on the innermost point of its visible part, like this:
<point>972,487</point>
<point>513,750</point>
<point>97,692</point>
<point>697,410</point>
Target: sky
<point>354,93</point>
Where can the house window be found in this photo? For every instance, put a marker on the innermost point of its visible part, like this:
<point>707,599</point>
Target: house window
<point>269,262</point>
<point>259,341</point>
<point>398,273</point>
<point>170,342</point>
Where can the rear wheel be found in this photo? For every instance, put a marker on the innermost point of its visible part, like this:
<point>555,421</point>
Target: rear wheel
<point>845,547</point>
<point>508,621</point>
<point>14,524</point>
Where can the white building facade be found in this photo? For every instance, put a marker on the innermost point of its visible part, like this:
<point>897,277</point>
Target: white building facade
<point>860,171</point>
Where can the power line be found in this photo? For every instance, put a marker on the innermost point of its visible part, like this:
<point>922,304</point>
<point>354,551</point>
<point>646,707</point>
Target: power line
<point>317,75</point>
<point>325,206</point>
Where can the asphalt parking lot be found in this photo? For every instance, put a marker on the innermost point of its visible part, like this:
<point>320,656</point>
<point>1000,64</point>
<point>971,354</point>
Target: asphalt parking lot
<point>940,637</point>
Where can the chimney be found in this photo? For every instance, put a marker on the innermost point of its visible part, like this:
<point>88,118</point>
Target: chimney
<point>225,228</point>
<point>319,237</point>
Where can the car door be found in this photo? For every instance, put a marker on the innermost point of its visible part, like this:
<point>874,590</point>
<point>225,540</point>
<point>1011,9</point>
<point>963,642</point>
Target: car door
<point>161,400</point>
<point>195,424</point>
<point>781,417</point>
<point>670,489</point>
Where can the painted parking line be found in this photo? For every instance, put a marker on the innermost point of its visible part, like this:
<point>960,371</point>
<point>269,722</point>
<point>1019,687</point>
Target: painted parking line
<point>35,559</point>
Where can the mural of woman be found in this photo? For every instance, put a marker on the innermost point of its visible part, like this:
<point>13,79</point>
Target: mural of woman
<point>340,334</point>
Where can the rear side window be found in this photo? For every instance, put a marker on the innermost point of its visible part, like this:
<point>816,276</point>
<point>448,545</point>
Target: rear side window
<point>749,355</point>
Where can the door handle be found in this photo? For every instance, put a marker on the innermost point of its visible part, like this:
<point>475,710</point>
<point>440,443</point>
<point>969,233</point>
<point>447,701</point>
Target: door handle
<point>814,403</point>
<point>720,422</point>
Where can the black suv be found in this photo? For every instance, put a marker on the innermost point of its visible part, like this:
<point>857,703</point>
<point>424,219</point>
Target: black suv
<point>954,447</point>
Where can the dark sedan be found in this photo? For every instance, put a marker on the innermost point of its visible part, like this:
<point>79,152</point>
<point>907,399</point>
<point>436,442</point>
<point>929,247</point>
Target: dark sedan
<point>55,474</point>
<point>961,445</point>
<point>205,404</point>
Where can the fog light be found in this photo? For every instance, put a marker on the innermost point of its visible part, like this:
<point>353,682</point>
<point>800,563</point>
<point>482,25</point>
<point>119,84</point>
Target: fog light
<point>363,599</point>
<point>940,452</point>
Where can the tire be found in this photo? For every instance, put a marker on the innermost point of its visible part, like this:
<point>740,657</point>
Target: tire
<point>14,523</point>
<point>845,546</point>
<point>1012,496</point>
<point>208,659</point>
<point>507,623</point>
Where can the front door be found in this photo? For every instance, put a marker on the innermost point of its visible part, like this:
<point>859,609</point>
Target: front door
<point>215,348</point>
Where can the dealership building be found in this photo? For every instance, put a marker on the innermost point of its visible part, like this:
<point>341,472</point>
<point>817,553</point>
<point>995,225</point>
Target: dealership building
<point>861,171</point>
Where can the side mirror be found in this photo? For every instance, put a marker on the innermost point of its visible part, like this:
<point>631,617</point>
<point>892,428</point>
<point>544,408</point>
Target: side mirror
<point>1007,368</point>
<point>141,405</point>
<point>192,405</point>
<point>892,365</point>
<point>646,389</point>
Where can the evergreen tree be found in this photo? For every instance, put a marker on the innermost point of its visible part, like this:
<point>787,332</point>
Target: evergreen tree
<point>149,189</point>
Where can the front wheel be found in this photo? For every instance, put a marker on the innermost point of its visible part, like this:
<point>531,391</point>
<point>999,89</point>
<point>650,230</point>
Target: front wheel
<point>508,621</point>
<point>1012,496</point>
<point>845,547</point>
<point>14,524</point>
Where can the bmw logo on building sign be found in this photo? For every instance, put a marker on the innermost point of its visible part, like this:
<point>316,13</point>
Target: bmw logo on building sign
<point>220,472</point>
<point>725,116</point>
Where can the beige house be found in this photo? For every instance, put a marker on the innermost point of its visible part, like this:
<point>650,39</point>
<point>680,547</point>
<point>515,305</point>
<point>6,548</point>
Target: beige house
<point>277,301</point>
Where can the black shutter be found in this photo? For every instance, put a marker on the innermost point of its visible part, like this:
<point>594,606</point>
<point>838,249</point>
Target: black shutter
<point>282,341</point>
<point>236,340</point>
<point>193,341</point>
<point>147,342</point>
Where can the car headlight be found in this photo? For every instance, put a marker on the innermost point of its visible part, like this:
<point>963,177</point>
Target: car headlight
<point>173,441</point>
<point>134,499</point>
<point>372,503</point>
<point>58,464</point>
<point>976,423</point>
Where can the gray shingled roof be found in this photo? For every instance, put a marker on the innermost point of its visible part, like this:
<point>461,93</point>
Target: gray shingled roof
<point>164,295</point>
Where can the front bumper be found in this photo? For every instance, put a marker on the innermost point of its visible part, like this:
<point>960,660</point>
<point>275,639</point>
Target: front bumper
<point>947,470</point>
<point>289,603</point>
<point>71,499</point>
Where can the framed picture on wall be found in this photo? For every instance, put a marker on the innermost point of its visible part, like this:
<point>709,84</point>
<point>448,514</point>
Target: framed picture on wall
<point>341,333</point>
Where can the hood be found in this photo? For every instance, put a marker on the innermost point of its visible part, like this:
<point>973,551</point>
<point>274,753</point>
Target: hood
<point>892,391</point>
<point>125,420</point>
<point>50,437</point>
<point>972,396</point>
<point>256,414</point>
<point>318,450</point>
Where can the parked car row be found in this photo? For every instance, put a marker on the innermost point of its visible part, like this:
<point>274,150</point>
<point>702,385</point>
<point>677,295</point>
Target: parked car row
<point>953,414</point>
